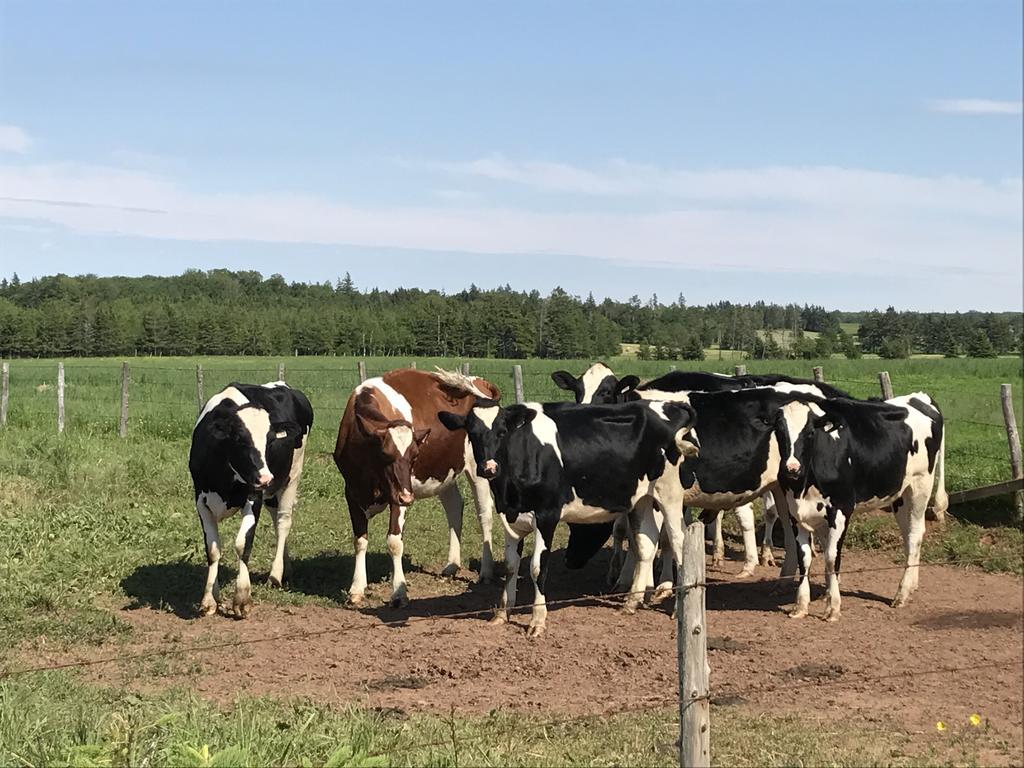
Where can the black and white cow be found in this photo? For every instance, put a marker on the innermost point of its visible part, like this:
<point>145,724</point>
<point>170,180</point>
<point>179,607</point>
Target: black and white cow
<point>582,464</point>
<point>854,456</point>
<point>247,448</point>
<point>600,384</point>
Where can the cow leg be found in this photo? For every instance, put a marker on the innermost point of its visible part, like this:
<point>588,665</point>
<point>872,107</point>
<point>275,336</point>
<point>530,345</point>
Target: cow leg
<point>617,562</point>
<point>451,500</point>
<point>803,592</point>
<point>624,575</point>
<point>211,539</point>
<point>360,542</point>
<point>242,601</point>
<point>745,513</point>
<point>910,516</point>
<point>644,543</point>
<point>671,540</point>
<point>281,512</point>
<point>396,547</point>
<point>544,536</point>
<point>514,537</point>
<point>718,554</point>
<point>790,564</point>
<point>666,578</point>
<point>771,515</point>
<point>836,532</point>
<point>485,516</point>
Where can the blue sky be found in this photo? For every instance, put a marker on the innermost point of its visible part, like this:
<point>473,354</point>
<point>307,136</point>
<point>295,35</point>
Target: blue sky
<point>852,154</point>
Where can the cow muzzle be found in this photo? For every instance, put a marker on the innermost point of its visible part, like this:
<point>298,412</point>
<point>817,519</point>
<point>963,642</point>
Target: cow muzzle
<point>405,497</point>
<point>265,480</point>
<point>489,469</point>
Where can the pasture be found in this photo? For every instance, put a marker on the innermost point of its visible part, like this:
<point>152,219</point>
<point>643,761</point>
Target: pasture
<point>101,561</point>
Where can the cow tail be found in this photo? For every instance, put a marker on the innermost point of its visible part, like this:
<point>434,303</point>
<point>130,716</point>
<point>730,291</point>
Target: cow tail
<point>941,503</point>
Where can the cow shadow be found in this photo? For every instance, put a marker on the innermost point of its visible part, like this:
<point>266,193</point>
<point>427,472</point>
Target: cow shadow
<point>176,586</point>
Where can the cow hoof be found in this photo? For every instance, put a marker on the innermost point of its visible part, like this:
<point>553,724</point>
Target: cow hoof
<point>535,630</point>
<point>485,578</point>
<point>631,606</point>
<point>356,600</point>
<point>275,580</point>
<point>798,613</point>
<point>450,570</point>
<point>242,610</point>
<point>208,607</point>
<point>499,618</point>
<point>832,616</point>
<point>747,572</point>
<point>662,593</point>
<point>399,601</point>
<point>717,561</point>
<point>767,559</point>
<point>899,601</point>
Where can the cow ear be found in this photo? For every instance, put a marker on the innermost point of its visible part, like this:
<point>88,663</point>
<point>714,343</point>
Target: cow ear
<point>565,380</point>
<point>221,428</point>
<point>627,384</point>
<point>288,431</point>
<point>522,418</point>
<point>368,416</point>
<point>420,436</point>
<point>452,421</point>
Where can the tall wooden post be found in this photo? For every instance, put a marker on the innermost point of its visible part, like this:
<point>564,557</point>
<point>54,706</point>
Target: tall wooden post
<point>199,389</point>
<point>465,369</point>
<point>413,365</point>
<point>60,398</point>
<point>517,382</point>
<point>692,649</point>
<point>1013,438</point>
<point>885,384</point>
<point>819,373</point>
<point>5,392</point>
<point>362,371</point>
<point>122,424</point>
<point>280,371</point>
<point>740,370</point>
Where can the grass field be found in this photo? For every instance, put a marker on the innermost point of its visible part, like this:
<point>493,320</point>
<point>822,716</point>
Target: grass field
<point>90,522</point>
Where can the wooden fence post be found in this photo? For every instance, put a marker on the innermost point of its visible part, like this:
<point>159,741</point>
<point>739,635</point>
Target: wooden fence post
<point>885,384</point>
<point>122,424</point>
<point>692,649</point>
<point>280,371</point>
<point>60,398</point>
<point>465,369</point>
<point>1013,437</point>
<point>819,373</point>
<point>199,389</point>
<point>413,365</point>
<point>362,371</point>
<point>740,370</point>
<point>517,382</point>
<point>5,392</point>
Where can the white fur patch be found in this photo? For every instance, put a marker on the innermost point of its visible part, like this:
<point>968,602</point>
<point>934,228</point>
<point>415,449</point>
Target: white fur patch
<point>274,384</point>
<point>487,415</point>
<point>544,429</point>
<point>257,422</point>
<point>402,437</point>
<point>592,378</point>
<point>658,407</point>
<point>392,395</point>
<point>228,393</point>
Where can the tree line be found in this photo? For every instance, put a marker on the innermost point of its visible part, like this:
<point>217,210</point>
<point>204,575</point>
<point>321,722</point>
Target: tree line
<point>222,312</point>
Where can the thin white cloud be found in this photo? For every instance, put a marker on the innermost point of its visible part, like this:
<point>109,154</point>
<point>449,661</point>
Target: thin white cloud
<point>14,139</point>
<point>825,220</point>
<point>977,106</point>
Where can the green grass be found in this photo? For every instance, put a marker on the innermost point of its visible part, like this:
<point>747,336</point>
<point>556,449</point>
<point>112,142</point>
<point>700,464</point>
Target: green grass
<point>55,720</point>
<point>90,522</point>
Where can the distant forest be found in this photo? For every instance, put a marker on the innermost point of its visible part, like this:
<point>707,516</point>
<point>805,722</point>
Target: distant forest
<point>221,312</point>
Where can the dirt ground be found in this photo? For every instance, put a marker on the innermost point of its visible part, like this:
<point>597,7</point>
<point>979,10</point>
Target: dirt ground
<point>596,659</point>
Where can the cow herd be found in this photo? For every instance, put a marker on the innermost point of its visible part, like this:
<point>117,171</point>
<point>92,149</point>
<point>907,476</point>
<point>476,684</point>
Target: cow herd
<point>625,461</point>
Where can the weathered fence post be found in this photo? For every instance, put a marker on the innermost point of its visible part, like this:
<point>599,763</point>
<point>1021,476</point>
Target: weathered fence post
<point>413,365</point>
<point>517,382</point>
<point>280,371</point>
<point>885,384</point>
<point>819,373</point>
<point>465,369</point>
<point>199,388</point>
<point>740,370</point>
<point>362,371</point>
<point>60,398</point>
<point>692,648</point>
<point>5,392</point>
<point>122,424</point>
<point>1013,437</point>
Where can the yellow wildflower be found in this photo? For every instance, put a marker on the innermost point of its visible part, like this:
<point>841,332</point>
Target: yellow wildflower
<point>940,726</point>
<point>975,720</point>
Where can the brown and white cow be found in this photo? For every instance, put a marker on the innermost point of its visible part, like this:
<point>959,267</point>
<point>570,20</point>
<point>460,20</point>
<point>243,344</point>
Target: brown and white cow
<point>392,450</point>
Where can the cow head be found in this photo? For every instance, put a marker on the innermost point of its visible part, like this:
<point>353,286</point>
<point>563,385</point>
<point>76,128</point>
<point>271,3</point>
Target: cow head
<point>245,434</point>
<point>398,445</point>
<point>793,427</point>
<point>598,385</point>
<point>488,427</point>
